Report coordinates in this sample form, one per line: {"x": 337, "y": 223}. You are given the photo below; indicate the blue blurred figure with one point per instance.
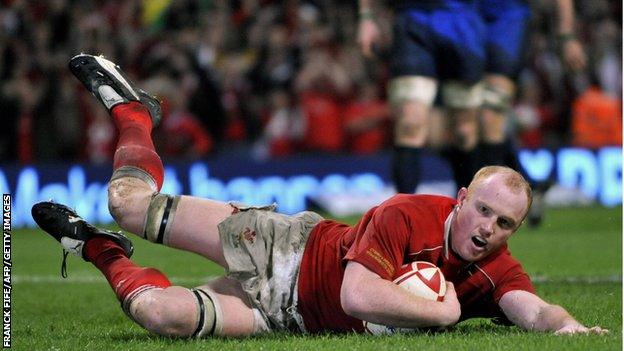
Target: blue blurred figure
{"x": 436, "y": 42}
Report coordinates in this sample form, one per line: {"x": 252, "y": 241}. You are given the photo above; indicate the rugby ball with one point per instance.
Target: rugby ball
{"x": 421, "y": 278}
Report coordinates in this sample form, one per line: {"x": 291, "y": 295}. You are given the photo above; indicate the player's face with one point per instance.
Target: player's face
{"x": 486, "y": 218}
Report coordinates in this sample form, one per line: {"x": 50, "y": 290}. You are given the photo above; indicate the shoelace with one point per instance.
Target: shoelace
{"x": 64, "y": 264}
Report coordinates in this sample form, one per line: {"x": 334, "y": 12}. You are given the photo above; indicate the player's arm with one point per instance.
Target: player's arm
{"x": 530, "y": 312}
{"x": 368, "y": 31}
{"x": 367, "y": 296}
{"x": 572, "y": 50}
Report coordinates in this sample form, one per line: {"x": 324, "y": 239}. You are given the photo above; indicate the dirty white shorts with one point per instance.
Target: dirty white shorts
{"x": 263, "y": 251}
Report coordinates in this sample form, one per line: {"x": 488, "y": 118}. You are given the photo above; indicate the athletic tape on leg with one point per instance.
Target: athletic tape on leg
{"x": 462, "y": 96}
{"x": 496, "y": 98}
{"x": 160, "y": 217}
{"x": 209, "y": 315}
{"x": 134, "y": 172}
{"x": 412, "y": 88}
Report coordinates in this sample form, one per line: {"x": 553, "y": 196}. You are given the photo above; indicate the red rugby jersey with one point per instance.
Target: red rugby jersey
{"x": 403, "y": 229}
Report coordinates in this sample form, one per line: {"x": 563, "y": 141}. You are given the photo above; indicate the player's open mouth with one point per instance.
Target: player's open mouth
{"x": 478, "y": 241}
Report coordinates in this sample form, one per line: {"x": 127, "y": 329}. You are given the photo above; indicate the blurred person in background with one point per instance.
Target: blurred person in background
{"x": 278, "y": 35}
{"x": 507, "y": 27}
{"x": 186, "y": 137}
{"x": 596, "y": 119}
{"x": 434, "y": 42}
{"x": 607, "y": 57}
{"x": 546, "y": 73}
{"x": 504, "y": 28}
{"x": 100, "y": 135}
{"x": 206, "y": 101}
{"x": 529, "y": 114}
{"x": 322, "y": 84}
{"x": 366, "y": 120}
{"x": 285, "y": 127}
{"x": 23, "y": 92}
{"x": 67, "y": 118}
{"x": 242, "y": 118}
{"x": 277, "y": 61}
{"x": 182, "y": 135}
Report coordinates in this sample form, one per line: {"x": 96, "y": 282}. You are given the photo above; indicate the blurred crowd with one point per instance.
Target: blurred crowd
{"x": 272, "y": 78}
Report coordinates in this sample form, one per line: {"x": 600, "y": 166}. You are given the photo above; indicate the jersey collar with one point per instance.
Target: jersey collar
{"x": 447, "y": 231}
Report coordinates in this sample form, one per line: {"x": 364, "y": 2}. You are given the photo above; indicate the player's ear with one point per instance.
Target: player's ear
{"x": 462, "y": 195}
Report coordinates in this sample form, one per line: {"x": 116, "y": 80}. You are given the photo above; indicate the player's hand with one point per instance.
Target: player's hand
{"x": 451, "y": 304}
{"x": 368, "y": 36}
{"x": 573, "y": 55}
{"x": 580, "y": 329}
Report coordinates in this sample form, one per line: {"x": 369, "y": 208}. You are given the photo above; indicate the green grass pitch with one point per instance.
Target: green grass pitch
{"x": 575, "y": 258}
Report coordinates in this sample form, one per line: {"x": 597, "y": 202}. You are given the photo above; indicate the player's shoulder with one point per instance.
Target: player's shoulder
{"x": 419, "y": 205}
{"x": 420, "y": 200}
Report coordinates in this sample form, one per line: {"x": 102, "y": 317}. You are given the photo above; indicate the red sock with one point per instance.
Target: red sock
{"x": 135, "y": 147}
{"x": 122, "y": 274}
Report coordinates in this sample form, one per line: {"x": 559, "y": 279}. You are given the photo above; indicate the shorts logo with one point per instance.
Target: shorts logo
{"x": 249, "y": 235}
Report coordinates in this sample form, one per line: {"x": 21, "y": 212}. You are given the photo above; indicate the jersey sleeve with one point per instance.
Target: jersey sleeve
{"x": 382, "y": 244}
{"x": 514, "y": 278}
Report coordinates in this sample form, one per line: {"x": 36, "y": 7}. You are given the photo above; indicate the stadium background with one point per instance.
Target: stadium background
{"x": 261, "y": 84}
{"x": 271, "y": 101}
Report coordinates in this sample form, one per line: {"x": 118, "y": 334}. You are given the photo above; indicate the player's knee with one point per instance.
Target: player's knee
{"x": 161, "y": 319}
{"x": 412, "y": 88}
{"x": 128, "y": 199}
{"x": 461, "y": 96}
{"x": 498, "y": 93}
{"x": 496, "y": 105}
{"x": 411, "y": 98}
{"x": 497, "y": 98}
{"x": 169, "y": 312}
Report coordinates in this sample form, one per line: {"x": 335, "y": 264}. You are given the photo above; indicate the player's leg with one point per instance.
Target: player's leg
{"x": 411, "y": 99}
{"x": 146, "y": 294}
{"x": 499, "y": 91}
{"x": 504, "y": 62}
{"x": 507, "y": 29}
{"x": 462, "y": 102}
{"x": 411, "y": 92}
{"x": 505, "y": 39}
{"x": 497, "y": 146}
{"x": 461, "y": 69}
{"x": 134, "y": 198}
{"x": 219, "y": 308}
{"x": 183, "y": 222}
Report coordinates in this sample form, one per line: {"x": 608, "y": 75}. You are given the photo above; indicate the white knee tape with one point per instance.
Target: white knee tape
{"x": 160, "y": 216}
{"x": 134, "y": 172}
{"x": 209, "y": 316}
{"x": 459, "y": 95}
{"x": 496, "y": 98}
{"x": 412, "y": 88}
